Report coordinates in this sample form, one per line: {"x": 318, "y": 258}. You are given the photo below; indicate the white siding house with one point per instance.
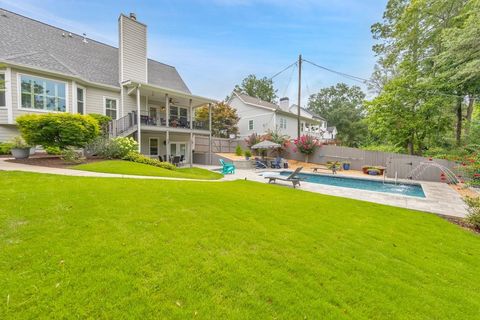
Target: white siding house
{"x": 260, "y": 117}
{"x": 146, "y": 99}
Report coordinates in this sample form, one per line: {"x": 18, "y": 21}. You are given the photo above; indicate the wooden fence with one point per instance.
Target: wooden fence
{"x": 399, "y": 165}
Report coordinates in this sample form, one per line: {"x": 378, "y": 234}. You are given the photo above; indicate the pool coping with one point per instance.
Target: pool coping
{"x": 439, "y": 199}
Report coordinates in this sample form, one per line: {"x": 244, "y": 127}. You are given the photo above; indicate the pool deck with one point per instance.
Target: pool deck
{"x": 440, "y": 198}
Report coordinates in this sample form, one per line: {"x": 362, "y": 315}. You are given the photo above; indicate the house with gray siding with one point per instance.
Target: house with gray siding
{"x": 47, "y": 69}
{"x": 260, "y": 117}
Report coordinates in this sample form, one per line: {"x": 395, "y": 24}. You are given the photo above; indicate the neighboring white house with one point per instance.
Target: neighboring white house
{"x": 48, "y": 69}
{"x": 258, "y": 116}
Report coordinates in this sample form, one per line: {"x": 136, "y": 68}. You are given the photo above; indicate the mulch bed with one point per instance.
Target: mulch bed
{"x": 463, "y": 224}
{"x": 53, "y": 161}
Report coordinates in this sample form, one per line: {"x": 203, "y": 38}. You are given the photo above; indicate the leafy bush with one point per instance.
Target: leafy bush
{"x": 60, "y": 130}
{"x": 115, "y": 148}
{"x": 238, "y": 150}
{"x": 102, "y": 121}
{"x": 306, "y": 144}
{"x": 70, "y": 155}
{"x": 140, "y": 158}
{"x": 19, "y": 143}
{"x": 5, "y": 147}
{"x": 473, "y": 216}
{"x": 248, "y": 153}
{"x": 53, "y": 150}
{"x": 252, "y": 140}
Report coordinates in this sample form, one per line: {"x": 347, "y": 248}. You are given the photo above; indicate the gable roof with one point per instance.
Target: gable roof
{"x": 28, "y": 42}
{"x": 256, "y": 102}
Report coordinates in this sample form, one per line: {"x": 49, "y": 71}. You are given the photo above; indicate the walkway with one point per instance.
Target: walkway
{"x": 440, "y": 198}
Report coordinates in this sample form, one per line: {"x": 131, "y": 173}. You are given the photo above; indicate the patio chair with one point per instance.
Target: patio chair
{"x": 182, "y": 159}
{"x": 260, "y": 164}
{"x": 160, "y": 158}
{"x": 176, "y": 161}
{"x": 227, "y": 168}
{"x": 277, "y": 163}
{"x": 273, "y": 177}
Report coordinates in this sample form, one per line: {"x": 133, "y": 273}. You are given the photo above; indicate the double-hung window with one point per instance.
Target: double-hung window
{"x": 80, "y": 100}
{"x": 283, "y": 123}
{"x": 153, "y": 147}
{"x": 250, "y": 125}
{"x": 3, "y": 101}
{"x": 43, "y": 94}
{"x": 111, "y": 108}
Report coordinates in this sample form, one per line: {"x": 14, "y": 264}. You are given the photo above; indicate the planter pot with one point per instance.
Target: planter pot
{"x": 346, "y": 166}
{"x": 20, "y": 153}
{"x": 247, "y": 158}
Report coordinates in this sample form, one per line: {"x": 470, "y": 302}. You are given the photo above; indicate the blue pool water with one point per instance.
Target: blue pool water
{"x": 414, "y": 190}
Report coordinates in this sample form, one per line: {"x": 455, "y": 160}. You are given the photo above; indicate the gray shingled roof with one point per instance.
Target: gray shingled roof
{"x": 29, "y": 42}
{"x": 252, "y": 100}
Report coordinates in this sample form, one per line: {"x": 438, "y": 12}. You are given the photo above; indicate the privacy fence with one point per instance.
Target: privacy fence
{"x": 400, "y": 165}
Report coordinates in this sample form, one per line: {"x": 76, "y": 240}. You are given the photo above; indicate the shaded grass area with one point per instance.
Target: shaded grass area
{"x": 76, "y": 247}
{"x": 140, "y": 169}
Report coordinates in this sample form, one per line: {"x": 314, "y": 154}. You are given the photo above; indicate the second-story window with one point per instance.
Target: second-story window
{"x": 43, "y": 94}
{"x": 3, "y": 101}
{"x": 250, "y": 124}
{"x": 111, "y": 108}
{"x": 81, "y": 100}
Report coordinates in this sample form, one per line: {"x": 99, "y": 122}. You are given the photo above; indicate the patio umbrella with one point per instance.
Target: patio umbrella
{"x": 266, "y": 145}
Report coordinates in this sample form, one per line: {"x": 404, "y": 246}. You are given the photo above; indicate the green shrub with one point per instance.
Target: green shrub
{"x": 115, "y": 148}
{"x": 53, "y": 150}
{"x": 238, "y": 150}
{"x": 60, "y": 130}
{"x": 248, "y": 153}
{"x": 140, "y": 158}
{"x": 70, "y": 155}
{"x": 19, "y": 143}
{"x": 102, "y": 121}
{"x": 473, "y": 216}
{"x": 5, "y": 147}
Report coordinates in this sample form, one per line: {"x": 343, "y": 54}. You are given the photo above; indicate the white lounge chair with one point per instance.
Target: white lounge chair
{"x": 273, "y": 177}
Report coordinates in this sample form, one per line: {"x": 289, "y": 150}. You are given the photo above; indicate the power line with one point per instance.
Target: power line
{"x": 284, "y": 69}
{"x": 290, "y": 80}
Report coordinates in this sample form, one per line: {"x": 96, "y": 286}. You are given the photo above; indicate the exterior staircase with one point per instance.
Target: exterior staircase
{"x": 124, "y": 126}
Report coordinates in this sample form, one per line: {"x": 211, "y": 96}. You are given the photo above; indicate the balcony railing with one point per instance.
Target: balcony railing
{"x": 174, "y": 122}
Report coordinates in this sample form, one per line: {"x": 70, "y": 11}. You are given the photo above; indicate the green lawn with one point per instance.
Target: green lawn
{"x": 140, "y": 169}
{"x": 78, "y": 247}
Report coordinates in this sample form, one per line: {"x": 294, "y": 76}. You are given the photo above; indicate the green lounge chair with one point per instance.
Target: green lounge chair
{"x": 227, "y": 168}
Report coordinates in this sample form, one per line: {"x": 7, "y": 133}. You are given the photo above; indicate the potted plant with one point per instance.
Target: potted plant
{"x": 373, "y": 172}
{"x": 248, "y": 154}
{"x": 346, "y": 165}
{"x": 307, "y": 145}
{"x": 20, "y": 149}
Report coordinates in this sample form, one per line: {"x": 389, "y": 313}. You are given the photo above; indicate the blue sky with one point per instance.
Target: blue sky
{"x": 216, "y": 43}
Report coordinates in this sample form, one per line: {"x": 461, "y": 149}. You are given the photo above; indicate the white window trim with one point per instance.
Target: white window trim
{"x": 253, "y": 125}
{"x": 84, "y": 99}
{"x": 105, "y": 105}
{"x": 158, "y": 146}
{"x": 4, "y": 72}
{"x": 19, "y": 94}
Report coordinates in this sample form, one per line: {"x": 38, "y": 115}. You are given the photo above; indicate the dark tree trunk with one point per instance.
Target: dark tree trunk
{"x": 458, "y": 112}
{"x": 471, "y": 103}
{"x": 411, "y": 145}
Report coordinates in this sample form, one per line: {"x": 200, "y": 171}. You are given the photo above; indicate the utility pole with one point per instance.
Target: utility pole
{"x": 299, "y": 94}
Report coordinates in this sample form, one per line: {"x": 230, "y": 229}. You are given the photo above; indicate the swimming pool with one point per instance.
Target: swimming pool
{"x": 413, "y": 190}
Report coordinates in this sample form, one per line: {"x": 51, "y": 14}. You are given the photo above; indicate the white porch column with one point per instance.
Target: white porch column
{"x": 139, "y": 131}
{"x": 191, "y": 149}
{"x": 167, "y": 110}
{"x": 167, "y": 142}
{"x": 210, "y": 133}
{"x": 191, "y": 114}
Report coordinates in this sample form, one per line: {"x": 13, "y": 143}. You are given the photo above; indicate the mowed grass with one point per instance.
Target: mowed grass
{"x": 79, "y": 247}
{"x": 140, "y": 169}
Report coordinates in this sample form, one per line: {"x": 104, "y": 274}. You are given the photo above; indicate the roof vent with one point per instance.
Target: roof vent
{"x": 85, "y": 38}
{"x": 63, "y": 34}
{"x": 70, "y": 35}
{"x": 133, "y": 16}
